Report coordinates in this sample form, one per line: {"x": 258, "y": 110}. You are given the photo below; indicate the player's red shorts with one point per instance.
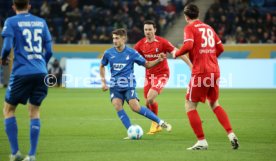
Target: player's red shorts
{"x": 202, "y": 86}
{"x": 155, "y": 82}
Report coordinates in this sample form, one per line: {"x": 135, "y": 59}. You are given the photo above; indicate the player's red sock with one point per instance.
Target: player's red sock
{"x": 196, "y": 124}
{"x": 223, "y": 119}
{"x": 154, "y": 108}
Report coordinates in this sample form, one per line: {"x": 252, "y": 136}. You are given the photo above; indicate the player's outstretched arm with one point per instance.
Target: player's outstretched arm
{"x": 102, "y": 74}
{"x": 7, "y": 45}
{"x": 184, "y": 58}
{"x": 188, "y": 45}
{"x": 150, "y": 64}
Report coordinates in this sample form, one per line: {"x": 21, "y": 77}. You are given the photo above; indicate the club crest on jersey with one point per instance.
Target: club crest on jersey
{"x": 118, "y": 66}
{"x": 127, "y": 57}
{"x": 156, "y": 50}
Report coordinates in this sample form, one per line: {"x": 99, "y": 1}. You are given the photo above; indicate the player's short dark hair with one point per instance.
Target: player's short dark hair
{"x": 120, "y": 32}
{"x": 21, "y": 4}
{"x": 191, "y": 11}
{"x": 150, "y": 22}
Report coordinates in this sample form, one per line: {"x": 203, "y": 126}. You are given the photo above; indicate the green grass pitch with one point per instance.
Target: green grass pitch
{"x": 81, "y": 125}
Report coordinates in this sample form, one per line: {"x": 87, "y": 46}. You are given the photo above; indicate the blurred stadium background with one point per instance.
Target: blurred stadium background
{"x": 79, "y": 124}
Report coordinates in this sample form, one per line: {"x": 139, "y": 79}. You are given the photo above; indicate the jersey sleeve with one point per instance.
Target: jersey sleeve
{"x": 188, "y": 34}
{"x": 217, "y": 39}
{"x": 7, "y": 29}
{"x": 47, "y": 34}
{"x": 139, "y": 59}
{"x": 219, "y": 45}
{"x": 104, "y": 60}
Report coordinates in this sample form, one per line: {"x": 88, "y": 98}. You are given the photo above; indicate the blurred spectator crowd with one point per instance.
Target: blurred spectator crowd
{"x": 92, "y": 21}
{"x": 243, "y": 21}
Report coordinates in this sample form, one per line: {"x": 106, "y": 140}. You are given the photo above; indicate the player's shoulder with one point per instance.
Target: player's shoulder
{"x": 200, "y": 24}
{"x": 141, "y": 41}
{"x": 130, "y": 50}
{"x": 37, "y": 18}
{"x": 161, "y": 39}
{"x": 189, "y": 27}
{"x": 110, "y": 50}
{"x": 27, "y": 17}
{"x": 10, "y": 20}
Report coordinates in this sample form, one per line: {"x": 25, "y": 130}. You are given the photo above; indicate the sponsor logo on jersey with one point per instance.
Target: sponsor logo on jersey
{"x": 118, "y": 66}
{"x": 152, "y": 56}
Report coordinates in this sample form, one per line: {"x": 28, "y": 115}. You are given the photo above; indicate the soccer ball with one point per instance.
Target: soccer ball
{"x": 135, "y": 132}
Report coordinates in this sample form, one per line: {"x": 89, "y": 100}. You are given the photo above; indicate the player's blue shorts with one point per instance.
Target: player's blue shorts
{"x": 27, "y": 87}
{"x": 124, "y": 95}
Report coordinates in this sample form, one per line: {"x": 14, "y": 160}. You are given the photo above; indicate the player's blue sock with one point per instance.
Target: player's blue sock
{"x": 11, "y": 130}
{"x": 149, "y": 114}
{"x": 34, "y": 135}
{"x": 124, "y": 118}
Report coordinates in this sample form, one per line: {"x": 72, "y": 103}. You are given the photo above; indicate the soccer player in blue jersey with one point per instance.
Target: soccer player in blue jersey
{"x": 28, "y": 35}
{"x": 122, "y": 87}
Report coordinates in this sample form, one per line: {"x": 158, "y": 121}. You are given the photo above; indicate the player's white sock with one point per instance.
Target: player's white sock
{"x": 161, "y": 122}
{"x": 202, "y": 142}
{"x": 231, "y": 136}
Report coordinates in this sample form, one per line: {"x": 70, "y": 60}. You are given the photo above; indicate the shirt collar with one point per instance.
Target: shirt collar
{"x": 155, "y": 40}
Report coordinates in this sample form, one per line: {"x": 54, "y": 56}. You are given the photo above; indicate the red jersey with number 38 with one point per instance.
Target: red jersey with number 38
{"x": 151, "y": 50}
{"x": 203, "y": 54}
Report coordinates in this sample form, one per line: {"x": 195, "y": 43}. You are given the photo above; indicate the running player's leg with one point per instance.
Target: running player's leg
{"x": 153, "y": 106}
{"x": 156, "y": 87}
{"x": 118, "y": 105}
{"x": 37, "y": 95}
{"x": 17, "y": 92}
{"x": 117, "y": 100}
{"x": 133, "y": 102}
{"x": 212, "y": 96}
{"x": 196, "y": 93}
{"x": 11, "y": 130}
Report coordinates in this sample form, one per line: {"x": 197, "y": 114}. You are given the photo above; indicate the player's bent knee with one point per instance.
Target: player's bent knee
{"x": 8, "y": 110}
{"x": 214, "y": 104}
{"x": 34, "y": 114}
{"x": 118, "y": 106}
{"x": 189, "y": 106}
{"x": 34, "y": 111}
{"x": 150, "y": 101}
{"x": 135, "y": 108}
{"x": 134, "y": 105}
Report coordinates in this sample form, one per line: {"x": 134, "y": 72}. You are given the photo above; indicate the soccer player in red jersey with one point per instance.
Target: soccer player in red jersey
{"x": 203, "y": 46}
{"x": 156, "y": 78}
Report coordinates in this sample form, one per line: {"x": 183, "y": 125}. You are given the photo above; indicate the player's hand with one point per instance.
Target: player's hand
{"x": 174, "y": 53}
{"x": 161, "y": 57}
{"x": 104, "y": 87}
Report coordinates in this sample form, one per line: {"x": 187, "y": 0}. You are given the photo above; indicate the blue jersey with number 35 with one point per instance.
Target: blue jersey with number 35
{"x": 29, "y": 34}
